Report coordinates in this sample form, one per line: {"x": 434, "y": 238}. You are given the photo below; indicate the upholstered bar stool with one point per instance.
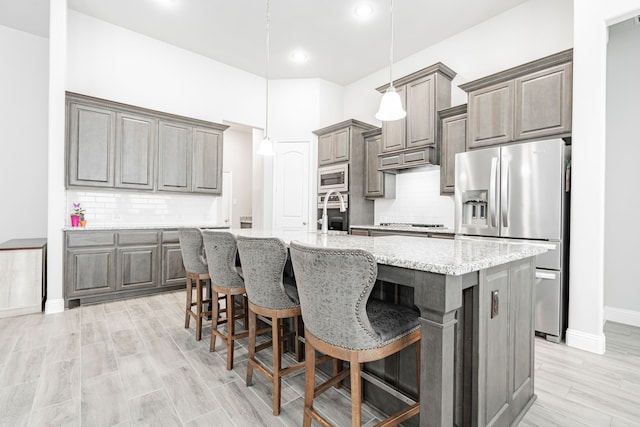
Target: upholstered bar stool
{"x": 220, "y": 248}
{"x": 263, "y": 261}
{"x": 195, "y": 264}
{"x": 334, "y": 287}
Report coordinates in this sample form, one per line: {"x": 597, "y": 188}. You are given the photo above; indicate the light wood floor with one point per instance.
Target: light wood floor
{"x": 132, "y": 363}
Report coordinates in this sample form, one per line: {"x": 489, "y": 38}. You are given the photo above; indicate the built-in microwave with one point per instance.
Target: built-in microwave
{"x": 333, "y": 177}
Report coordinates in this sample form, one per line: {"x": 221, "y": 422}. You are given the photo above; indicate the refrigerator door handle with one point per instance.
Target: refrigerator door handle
{"x": 506, "y": 206}
{"x": 493, "y": 192}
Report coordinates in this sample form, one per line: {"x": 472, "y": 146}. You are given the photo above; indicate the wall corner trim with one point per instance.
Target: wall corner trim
{"x": 587, "y": 342}
{"x": 54, "y": 306}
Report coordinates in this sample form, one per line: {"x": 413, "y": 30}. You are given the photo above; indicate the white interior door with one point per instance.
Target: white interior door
{"x": 224, "y": 202}
{"x": 291, "y": 185}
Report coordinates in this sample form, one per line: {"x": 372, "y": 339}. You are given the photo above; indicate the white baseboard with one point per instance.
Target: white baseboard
{"x": 621, "y": 315}
{"x": 54, "y": 306}
{"x": 588, "y": 342}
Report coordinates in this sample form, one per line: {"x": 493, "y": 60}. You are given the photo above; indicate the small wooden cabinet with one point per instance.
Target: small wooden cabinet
{"x": 113, "y": 145}
{"x": 334, "y": 147}
{"x": 453, "y": 139}
{"x": 377, "y": 183}
{"x": 413, "y": 141}
{"x": 530, "y": 101}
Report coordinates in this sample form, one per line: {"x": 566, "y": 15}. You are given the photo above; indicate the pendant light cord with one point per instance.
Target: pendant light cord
{"x": 390, "y": 49}
{"x": 266, "y": 124}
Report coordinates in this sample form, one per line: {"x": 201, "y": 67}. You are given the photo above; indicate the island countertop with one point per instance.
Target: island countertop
{"x": 450, "y": 257}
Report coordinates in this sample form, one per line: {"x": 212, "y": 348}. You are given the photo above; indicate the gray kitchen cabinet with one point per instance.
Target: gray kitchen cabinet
{"x": 207, "y": 161}
{"x": 135, "y": 151}
{"x": 173, "y": 271}
{"x": 334, "y": 147}
{"x": 138, "y": 260}
{"x": 90, "y": 263}
{"x": 529, "y": 101}
{"x": 113, "y": 145}
{"x": 505, "y": 333}
{"x": 90, "y": 143}
{"x": 422, "y": 93}
{"x": 377, "y": 183}
{"x": 453, "y": 140}
{"x": 175, "y": 156}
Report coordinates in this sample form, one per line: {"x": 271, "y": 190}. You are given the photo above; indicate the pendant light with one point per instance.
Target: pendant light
{"x": 266, "y": 146}
{"x": 390, "y": 104}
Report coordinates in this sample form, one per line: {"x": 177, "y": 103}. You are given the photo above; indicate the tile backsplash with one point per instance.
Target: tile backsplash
{"x": 417, "y": 200}
{"x": 104, "y": 208}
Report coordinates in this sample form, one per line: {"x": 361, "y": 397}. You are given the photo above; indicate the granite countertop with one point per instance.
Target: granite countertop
{"x": 16, "y": 244}
{"x": 441, "y": 256}
{"x": 140, "y": 227}
{"x": 405, "y": 228}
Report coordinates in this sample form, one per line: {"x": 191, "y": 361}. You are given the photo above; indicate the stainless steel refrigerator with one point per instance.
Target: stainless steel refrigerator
{"x": 520, "y": 192}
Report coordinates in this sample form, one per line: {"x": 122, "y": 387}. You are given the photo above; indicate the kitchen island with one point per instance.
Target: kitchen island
{"x": 476, "y": 305}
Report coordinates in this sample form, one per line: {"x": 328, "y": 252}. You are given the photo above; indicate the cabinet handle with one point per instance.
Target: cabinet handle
{"x": 495, "y": 303}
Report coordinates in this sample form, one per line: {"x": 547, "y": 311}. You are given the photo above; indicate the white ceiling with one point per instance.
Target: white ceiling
{"x": 341, "y": 48}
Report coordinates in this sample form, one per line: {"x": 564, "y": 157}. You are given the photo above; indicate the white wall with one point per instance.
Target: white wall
{"x": 24, "y": 86}
{"x": 237, "y": 156}
{"x": 622, "y": 195}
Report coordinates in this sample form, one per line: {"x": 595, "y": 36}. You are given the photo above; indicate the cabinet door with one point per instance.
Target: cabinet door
{"x": 135, "y": 146}
{"x": 207, "y": 161}
{"x": 454, "y": 140}
{"x": 91, "y": 146}
{"x": 393, "y": 133}
{"x": 137, "y": 267}
{"x": 175, "y": 155}
{"x": 325, "y": 149}
{"x": 490, "y": 115}
{"x": 543, "y": 103}
{"x": 341, "y": 145}
{"x": 421, "y": 112}
{"x": 173, "y": 272}
{"x": 90, "y": 271}
{"x": 374, "y": 179}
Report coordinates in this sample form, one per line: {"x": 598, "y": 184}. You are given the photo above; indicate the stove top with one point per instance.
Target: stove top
{"x": 400, "y": 224}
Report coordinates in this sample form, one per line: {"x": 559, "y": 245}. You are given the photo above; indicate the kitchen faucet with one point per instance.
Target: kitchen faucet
{"x": 325, "y": 220}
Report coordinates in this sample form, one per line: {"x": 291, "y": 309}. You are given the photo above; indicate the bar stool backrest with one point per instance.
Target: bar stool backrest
{"x": 192, "y": 249}
{"x": 334, "y": 286}
{"x": 221, "y": 249}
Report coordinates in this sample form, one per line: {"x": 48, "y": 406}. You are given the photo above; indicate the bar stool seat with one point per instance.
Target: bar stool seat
{"x": 220, "y": 248}
{"x": 195, "y": 264}
{"x": 263, "y": 261}
{"x": 342, "y": 322}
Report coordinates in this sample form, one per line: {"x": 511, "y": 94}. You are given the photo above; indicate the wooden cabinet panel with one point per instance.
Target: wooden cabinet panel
{"x": 374, "y": 179}
{"x": 394, "y": 133}
{"x": 421, "y": 113}
{"x": 543, "y": 103}
{"x": 491, "y": 115}
{"x": 90, "y": 271}
{"x": 91, "y": 147}
{"x": 341, "y": 145}
{"x": 207, "y": 161}
{"x": 137, "y": 267}
{"x": 173, "y": 271}
{"x": 175, "y": 156}
{"x": 453, "y": 140}
{"x": 334, "y": 147}
{"x": 325, "y": 149}
{"x": 135, "y": 146}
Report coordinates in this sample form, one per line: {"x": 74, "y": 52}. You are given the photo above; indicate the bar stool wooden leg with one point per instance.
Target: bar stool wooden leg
{"x": 356, "y": 394}
{"x": 309, "y": 383}
{"x": 230, "y": 331}
{"x": 189, "y": 298}
{"x": 198, "y": 309}
{"x": 215, "y": 314}
{"x": 276, "y": 334}
{"x": 298, "y": 344}
{"x": 253, "y": 320}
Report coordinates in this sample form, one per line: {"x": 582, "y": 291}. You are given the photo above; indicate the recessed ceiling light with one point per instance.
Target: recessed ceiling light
{"x": 363, "y": 10}
{"x": 299, "y": 56}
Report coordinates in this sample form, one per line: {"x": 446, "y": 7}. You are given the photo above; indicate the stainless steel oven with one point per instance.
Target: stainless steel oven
{"x": 334, "y": 202}
{"x": 334, "y": 177}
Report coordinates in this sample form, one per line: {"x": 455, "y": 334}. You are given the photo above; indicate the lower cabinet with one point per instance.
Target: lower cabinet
{"x": 104, "y": 265}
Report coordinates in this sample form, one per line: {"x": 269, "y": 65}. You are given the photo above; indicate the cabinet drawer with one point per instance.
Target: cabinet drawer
{"x": 389, "y": 161}
{"x": 137, "y": 237}
{"x": 90, "y": 238}
{"x": 170, "y": 237}
{"x": 421, "y": 156}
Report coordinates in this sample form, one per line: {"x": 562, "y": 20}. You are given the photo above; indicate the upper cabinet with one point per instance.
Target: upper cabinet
{"x": 453, "y": 138}
{"x": 333, "y": 147}
{"x": 377, "y": 183}
{"x": 530, "y": 101}
{"x": 413, "y": 141}
{"x": 112, "y": 145}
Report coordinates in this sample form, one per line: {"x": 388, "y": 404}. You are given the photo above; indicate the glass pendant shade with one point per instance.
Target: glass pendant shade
{"x": 266, "y": 147}
{"x": 390, "y": 106}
